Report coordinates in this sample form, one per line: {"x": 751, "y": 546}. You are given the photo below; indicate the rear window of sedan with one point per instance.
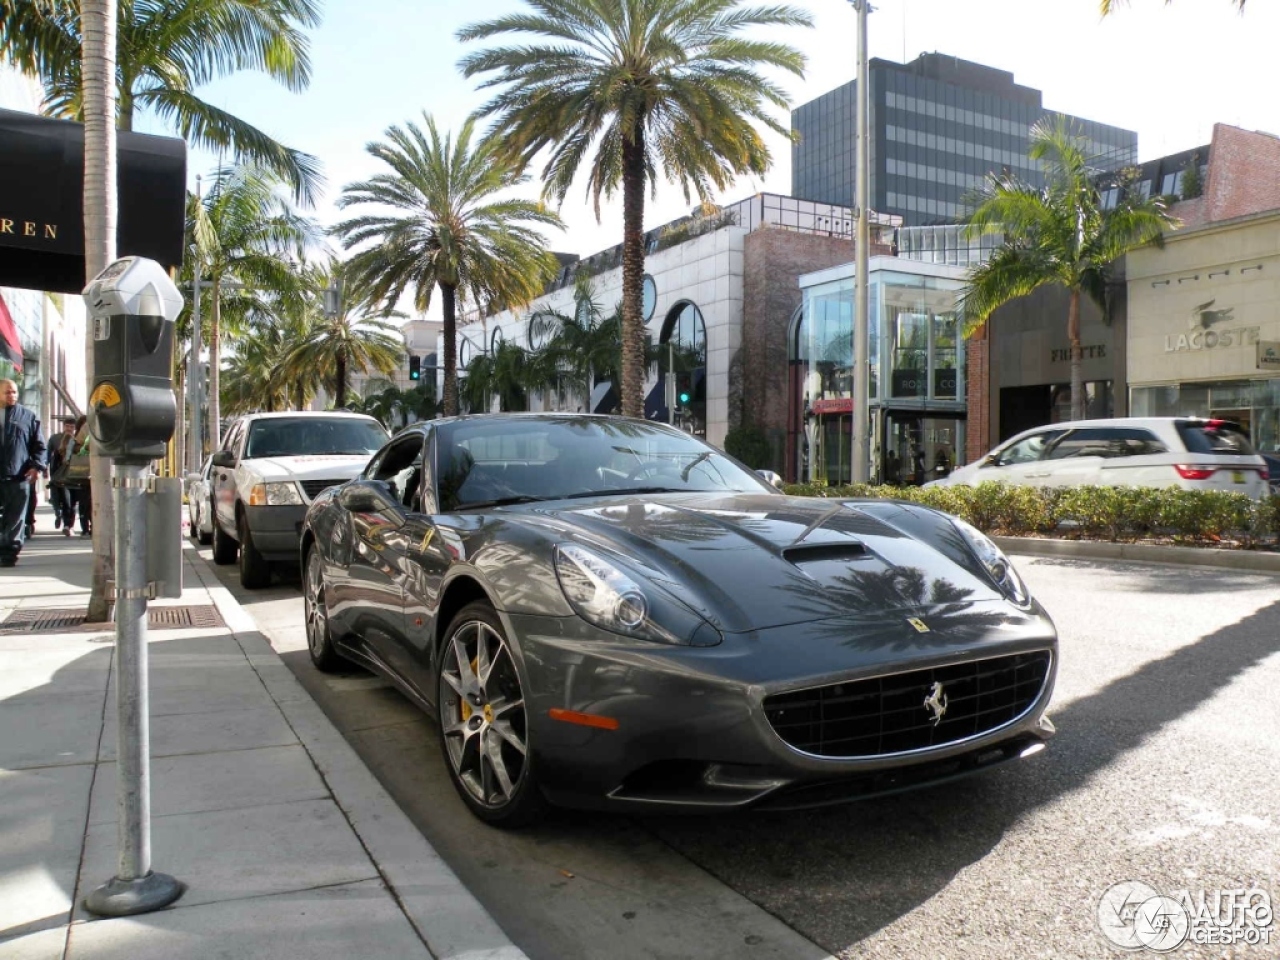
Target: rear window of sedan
{"x": 1214, "y": 436}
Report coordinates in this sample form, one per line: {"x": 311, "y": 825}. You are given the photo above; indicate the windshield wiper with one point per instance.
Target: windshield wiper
{"x": 501, "y": 502}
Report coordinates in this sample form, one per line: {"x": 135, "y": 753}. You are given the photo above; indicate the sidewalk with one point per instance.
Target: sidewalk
{"x": 287, "y": 844}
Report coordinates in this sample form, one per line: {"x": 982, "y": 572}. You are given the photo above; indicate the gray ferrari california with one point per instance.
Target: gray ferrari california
{"x": 604, "y": 612}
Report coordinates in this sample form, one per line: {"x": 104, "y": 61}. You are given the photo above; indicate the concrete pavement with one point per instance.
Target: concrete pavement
{"x": 287, "y": 844}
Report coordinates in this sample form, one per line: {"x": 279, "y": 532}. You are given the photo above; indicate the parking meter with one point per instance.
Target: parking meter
{"x": 132, "y": 307}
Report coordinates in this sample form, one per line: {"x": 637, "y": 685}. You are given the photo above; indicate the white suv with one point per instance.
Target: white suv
{"x": 268, "y": 470}
{"x": 1185, "y": 452}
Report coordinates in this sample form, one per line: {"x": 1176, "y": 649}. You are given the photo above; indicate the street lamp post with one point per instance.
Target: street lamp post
{"x": 861, "y": 419}
{"x": 195, "y": 371}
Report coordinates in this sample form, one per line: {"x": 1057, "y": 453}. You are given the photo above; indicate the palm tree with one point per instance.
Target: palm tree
{"x": 1058, "y": 234}
{"x": 99, "y": 57}
{"x": 346, "y": 341}
{"x": 254, "y": 377}
{"x": 168, "y": 49}
{"x": 646, "y": 87}
{"x": 447, "y": 229}
{"x": 505, "y": 373}
{"x": 244, "y": 233}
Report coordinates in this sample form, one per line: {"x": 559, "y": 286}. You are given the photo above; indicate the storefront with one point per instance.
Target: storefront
{"x": 1204, "y": 326}
{"x": 917, "y": 373}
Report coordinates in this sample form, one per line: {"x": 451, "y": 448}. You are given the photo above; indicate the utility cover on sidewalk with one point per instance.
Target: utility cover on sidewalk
{"x": 57, "y": 620}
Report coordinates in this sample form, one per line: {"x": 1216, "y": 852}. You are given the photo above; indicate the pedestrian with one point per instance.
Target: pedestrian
{"x": 60, "y": 496}
{"x": 21, "y": 464}
{"x": 84, "y": 496}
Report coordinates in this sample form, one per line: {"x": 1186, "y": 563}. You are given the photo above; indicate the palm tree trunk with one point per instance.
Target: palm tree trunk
{"x": 98, "y": 25}
{"x": 215, "y": 362}
{"x": 632, "y": 390}
{"x": 448, "y": 303}
{"x": 340, "y": 382}
{"x": 1077, "y": 371}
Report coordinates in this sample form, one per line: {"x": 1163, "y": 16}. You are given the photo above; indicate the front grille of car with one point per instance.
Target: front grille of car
{"x": 890, "y": 715}
{"x": 313, "y": 488}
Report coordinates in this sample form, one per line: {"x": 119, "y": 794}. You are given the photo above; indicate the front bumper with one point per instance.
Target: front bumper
{"x": 276, "y": 531}
{"x": 692, "y": 731}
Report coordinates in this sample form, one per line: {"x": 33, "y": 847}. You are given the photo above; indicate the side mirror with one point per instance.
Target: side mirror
{"x": 370, "y": 496}
{"x": 224, "y": 458}
{"x": 991, "y": 460}
{"x": 771, "y": 478}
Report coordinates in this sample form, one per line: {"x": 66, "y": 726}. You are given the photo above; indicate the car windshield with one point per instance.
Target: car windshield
{"x": 314, "y": 436}
{"x": 485, "y": 462}
{"x": 1214, "y": 436}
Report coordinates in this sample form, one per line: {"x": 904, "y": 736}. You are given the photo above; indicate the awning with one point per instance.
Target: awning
{"x": 10, "y": 344}
{"x": 42, "y": 207}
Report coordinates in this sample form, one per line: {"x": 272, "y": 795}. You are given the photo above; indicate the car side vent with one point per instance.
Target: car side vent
{"x": 813, "y": 552}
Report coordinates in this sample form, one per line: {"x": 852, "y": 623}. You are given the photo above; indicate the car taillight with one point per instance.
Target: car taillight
{"x": 1187, "y": 472}
{"x": 1266, "y": 475}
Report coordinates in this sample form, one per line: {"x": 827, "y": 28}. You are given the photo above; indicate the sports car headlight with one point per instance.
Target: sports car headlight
{"x": 996, "y": 563}
{"x": 275, "y": 494}
{"x": 613, "y": 600}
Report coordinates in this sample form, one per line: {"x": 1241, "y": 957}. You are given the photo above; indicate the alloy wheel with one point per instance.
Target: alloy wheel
{"x": 483, "y": 715}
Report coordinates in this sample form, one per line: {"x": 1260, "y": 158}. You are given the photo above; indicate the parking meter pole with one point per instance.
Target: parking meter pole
{"x": 132, "y": 411}
{"x": 135, "y": 887}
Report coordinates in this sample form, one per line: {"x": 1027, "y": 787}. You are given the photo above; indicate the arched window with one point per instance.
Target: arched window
{"x": 683, "y": 353}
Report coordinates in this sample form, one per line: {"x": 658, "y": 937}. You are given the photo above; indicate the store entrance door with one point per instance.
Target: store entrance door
{"x": 919, "y": 447}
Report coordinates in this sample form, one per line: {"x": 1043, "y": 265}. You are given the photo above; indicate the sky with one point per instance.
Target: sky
{"x": 1167, "y": 71}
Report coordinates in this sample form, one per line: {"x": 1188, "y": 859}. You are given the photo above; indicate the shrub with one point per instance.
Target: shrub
{"x": 1115, "y": 513}
{"x": 748, "y": 444}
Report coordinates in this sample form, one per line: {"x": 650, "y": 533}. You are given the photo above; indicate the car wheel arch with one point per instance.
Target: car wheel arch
{"x": 458, "y": 593}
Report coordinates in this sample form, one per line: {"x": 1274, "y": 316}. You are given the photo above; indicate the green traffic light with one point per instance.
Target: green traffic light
{"x": 684, "y": 398}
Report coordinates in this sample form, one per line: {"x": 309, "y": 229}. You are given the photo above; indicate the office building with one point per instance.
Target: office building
{"x": 938, "y": 126}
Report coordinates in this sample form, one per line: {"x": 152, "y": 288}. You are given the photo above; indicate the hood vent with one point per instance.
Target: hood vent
{"x": 812, "y": 552}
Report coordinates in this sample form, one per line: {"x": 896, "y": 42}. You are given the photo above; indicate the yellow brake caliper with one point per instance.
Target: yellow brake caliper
{"x": 466, "y": 707}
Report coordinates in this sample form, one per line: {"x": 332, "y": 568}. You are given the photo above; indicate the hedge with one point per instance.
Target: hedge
{"x": 1111, "y": 513}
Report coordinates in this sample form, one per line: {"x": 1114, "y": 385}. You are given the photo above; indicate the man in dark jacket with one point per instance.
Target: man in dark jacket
{"x": 21, "y": 463}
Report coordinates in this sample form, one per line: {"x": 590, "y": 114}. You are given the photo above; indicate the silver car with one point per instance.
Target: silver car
{"x": 199, "y": 506}
{"x": 1185, "y": 452}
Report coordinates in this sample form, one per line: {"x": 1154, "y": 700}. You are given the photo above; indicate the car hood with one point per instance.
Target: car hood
{"x": 330, "y": 467}
{"x": 750, "y": 562}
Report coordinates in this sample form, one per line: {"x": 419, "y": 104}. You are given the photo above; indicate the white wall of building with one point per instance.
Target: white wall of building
{"x": 706, "y": 271}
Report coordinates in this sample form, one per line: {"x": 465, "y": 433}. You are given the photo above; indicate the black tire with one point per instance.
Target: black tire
{"x": 224, "y": 548}
{"x": 474, "y": 716}
{"x": 324, "y": 654}
{"x": 202, "y": 538}
{"x": 255, "y": 571}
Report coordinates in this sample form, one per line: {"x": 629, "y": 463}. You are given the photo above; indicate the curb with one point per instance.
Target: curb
{"x": 452, "y": 923}
{"x": 1246, "y": 560}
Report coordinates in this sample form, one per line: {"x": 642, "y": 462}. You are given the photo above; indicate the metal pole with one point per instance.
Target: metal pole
{"x": 670, "y": 385}
{"x": 861, "y": 328}
{"x": 135, "y": 888}
{"x": 195, "y": 448}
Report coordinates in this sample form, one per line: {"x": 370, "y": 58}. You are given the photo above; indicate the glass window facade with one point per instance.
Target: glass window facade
{"x": 916, "y": 383}
{"x": 1254, "y": 404}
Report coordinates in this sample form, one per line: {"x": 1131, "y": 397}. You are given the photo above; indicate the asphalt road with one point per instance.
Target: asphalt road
{"x": 1164, "y": 771}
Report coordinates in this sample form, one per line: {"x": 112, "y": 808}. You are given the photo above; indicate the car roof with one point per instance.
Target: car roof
{"x": 308, "y": 414}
